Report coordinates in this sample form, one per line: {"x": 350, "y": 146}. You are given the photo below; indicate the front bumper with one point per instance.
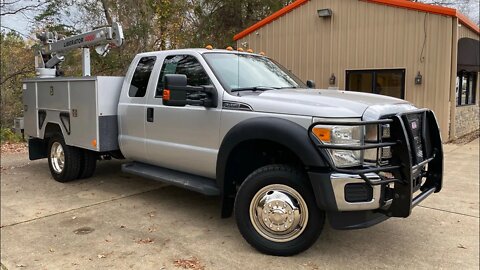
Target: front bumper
{"x": 391, "y": 188}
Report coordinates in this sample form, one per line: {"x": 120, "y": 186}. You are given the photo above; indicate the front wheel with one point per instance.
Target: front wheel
{"x": 276, "y": 212}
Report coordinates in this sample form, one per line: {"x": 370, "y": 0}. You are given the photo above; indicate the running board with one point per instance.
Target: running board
{"x": 192, "y": 182}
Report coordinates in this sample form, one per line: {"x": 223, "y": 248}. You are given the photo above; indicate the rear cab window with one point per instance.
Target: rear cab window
{"x": 139, "y": 84}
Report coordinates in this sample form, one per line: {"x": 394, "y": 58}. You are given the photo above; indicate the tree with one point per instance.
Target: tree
{"x": 471, "y": 8}
{"x": 16, "y": 64}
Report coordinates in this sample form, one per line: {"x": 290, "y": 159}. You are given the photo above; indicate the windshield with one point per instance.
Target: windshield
{"x": 238, "y": 72}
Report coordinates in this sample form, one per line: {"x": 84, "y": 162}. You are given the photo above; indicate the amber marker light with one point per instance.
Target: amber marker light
{"x": 323, "y": 134}
{"x": 209, "y": 47}
{"x": 262, "y": 53}
{"x": 94, "y": 143}
{"x": 166, "y": 95}
{"x": 240, "y": 49}
{"x": 229, "y": 48}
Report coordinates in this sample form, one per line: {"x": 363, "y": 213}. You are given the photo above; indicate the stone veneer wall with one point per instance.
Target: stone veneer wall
{"x": 467, "y": 119}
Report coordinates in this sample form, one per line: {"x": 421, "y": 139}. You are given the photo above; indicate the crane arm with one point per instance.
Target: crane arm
{"x": 102, "y": 36}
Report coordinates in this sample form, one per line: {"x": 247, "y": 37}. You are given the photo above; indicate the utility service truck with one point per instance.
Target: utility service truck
{"x": 281, "y": 155}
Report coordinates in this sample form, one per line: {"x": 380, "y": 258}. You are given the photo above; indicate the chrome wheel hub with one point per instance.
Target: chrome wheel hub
{"x": 278, "y": 213}
{"x": 57, "y": 157}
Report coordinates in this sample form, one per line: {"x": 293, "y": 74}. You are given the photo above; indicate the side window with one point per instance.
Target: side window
{"x": 183, "y": 64}
{"x": 138, "y": 86}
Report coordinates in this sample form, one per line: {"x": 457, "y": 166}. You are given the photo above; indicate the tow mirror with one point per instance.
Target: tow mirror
{"x": 178, "y": 93}
{"x": 311, "y": 84}
{"x": 175, "y": 90}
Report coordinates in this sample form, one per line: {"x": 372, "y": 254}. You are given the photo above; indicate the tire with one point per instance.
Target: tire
{"x": 259, "y": 211}
{"x": 88, "y": 164}
{"x": 64, "y": 161}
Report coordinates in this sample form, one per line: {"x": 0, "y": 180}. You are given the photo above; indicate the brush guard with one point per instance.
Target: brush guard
{"x": 416, "y": 163}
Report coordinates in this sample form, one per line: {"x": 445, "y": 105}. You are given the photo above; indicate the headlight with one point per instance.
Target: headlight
{"x": 342, "y": 135}
{"x": 372, "y": 136}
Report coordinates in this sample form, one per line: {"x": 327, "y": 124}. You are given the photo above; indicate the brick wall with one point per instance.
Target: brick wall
{"x": 466, "y": 119}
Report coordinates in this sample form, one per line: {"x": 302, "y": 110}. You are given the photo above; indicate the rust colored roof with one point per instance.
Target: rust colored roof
{"x": 439, "y": 10}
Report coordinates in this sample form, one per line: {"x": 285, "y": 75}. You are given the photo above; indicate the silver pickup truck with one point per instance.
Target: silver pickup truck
{"x": 281, "y": 155}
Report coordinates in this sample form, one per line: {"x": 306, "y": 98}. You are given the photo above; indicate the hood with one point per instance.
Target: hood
{"x": 317, "y": 103}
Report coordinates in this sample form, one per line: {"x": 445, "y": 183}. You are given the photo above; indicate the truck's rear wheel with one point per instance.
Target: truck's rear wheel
{"x": 88, "y": 164}
{"x": 64, "y": 161}
{"x": 276, "y": 211}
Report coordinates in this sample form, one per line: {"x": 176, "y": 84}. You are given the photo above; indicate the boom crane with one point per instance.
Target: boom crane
{"x": 55, "y": 46}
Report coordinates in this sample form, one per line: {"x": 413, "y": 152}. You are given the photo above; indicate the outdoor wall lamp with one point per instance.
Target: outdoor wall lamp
{"x": 325, "y": 13}
{"x": 332, "y": 79}
{"x": 418, "y": 78}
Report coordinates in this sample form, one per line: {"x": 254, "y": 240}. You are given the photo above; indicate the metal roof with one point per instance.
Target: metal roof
{"x": 434, "y": 9}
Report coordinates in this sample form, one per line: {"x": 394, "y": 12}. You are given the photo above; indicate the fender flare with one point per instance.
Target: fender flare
{"x": 284, "y": 132}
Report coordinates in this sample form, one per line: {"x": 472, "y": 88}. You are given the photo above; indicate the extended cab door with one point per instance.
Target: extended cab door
{"x": 183, "y": 138}
{"x": 132, "y": 110}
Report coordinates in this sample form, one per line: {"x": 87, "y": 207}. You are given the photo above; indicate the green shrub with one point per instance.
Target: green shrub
{"x": 7, "y": 135}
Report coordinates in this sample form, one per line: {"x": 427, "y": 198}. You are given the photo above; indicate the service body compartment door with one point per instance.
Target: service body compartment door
{"x": 83, "y": 114}
{"x": 30, "y": 109}
{"x": 53, "y": 95}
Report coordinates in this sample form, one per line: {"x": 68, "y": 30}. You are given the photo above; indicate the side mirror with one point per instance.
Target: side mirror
{"x": 311, "y": 84}
{"x": 175, "y": 90}
{"x": 177, "y": 93}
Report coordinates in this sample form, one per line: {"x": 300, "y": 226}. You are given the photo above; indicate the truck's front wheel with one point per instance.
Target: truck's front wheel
{"x": 64, "y": 161}
{"x": 276, "y": 211}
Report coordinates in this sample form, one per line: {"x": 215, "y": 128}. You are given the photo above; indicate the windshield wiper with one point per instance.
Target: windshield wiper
{"x": 286, "y": 87}
{"x": 255, "y": 88}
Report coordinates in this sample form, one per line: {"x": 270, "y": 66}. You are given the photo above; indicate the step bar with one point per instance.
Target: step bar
{"x": 203, "y": 185}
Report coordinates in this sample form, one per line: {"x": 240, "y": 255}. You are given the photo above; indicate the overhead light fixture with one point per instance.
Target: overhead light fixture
{"x": 325, "y": 13}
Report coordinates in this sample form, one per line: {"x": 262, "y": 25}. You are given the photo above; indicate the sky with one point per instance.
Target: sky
{"x": 19, "y": 22}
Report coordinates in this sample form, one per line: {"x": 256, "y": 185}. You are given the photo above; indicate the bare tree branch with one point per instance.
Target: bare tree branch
{"x": 22, "y": 9}
{"x": 23, "y": 71}
{"x": 107, "y": 12}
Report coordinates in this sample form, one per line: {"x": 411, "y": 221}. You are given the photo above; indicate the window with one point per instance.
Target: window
{"x": 466, "y": 88}
{"x": 138, "y": 86}
{"x": 183, "y": 64}
{"x": 388, "y": 82}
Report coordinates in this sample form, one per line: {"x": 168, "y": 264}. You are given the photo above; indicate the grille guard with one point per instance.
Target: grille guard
{"x": 404, "y": 167}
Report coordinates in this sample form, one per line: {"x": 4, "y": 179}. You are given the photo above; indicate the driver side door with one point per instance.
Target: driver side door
{"x": 183, "y": 138}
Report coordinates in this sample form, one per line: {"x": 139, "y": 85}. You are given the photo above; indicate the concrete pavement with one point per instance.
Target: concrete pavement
{"x": 118, "y": 221}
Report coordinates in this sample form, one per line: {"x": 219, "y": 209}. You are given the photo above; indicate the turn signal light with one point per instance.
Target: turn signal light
{"x": 166, "y": 95}
{"x": 322, "y": 133}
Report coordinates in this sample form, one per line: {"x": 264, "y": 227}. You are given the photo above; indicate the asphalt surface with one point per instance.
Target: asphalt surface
{"x": 118, "y": 221}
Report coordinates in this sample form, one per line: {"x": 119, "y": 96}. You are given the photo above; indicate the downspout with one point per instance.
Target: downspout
{"x": 453, "y": 80}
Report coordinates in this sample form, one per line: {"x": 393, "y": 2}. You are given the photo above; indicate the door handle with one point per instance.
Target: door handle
{"x": 149, "y": 114}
